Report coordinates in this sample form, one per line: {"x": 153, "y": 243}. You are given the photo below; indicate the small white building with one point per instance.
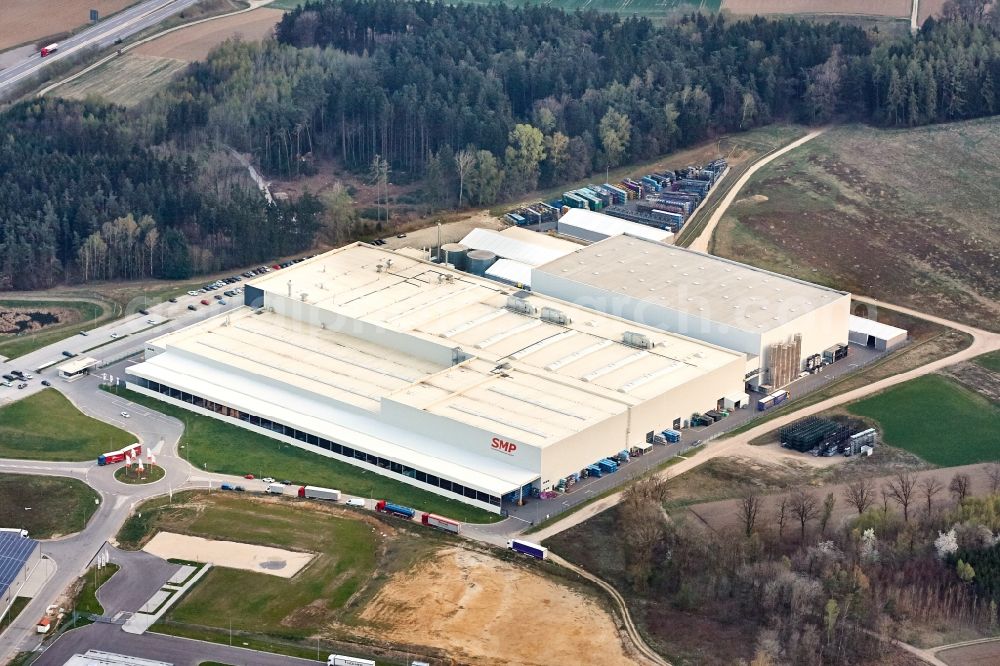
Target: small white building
{"x": 592, "y": 227}
{"x": 875, "y": 335}
{"x": 78, "y": 367}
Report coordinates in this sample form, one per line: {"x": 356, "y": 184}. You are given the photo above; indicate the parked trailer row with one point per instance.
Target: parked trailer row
{"x": 395, "y": 509}
{"x": 528, "y": 548}
{"x": 440, "y": 522}
{"x": 315, "y": 492}
{"x": 343, "y": 660}
{"x": 772, "y": 400}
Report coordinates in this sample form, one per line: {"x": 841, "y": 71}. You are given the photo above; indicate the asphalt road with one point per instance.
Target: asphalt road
{"x": 101, "y": 35}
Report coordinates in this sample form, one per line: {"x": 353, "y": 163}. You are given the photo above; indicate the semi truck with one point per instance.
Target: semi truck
{"x": 528, "y": 548}
{"x": 446, "y": 524}
{"x": 275, "y": 489}
{"x": 343, "y": 660}
{"x": 115, "y": 457}
{"x": 49, "y": 50}
{"x": 395, "y": 509}
{"x": 315, "y": 492}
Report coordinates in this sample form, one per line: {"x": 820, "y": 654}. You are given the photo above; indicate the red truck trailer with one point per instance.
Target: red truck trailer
{"x": 115, "y": 457}
{"x": 49, "y": 50}
{"x": 446, "y": 524}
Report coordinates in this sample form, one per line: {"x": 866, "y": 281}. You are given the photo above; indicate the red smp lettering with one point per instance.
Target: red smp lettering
{"x": 504, "y": 446}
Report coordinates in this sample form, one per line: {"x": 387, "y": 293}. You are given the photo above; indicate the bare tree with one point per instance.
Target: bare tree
{"x": 781, "y": 515}
{"x": 993, "y": 469}
{"x": 804, "y": 507}
{"x": 860, "y": 494}
{"x": 829, "y": 503}
{"x": 653, "y": 488}
{"x": 884, "y": 494}
{"x": 464, "y": 160}
{"x": 749, "y": 508}
{"x": 929, "y": 488}
{"x": 959, "y": 487}
{"x": 901, "y": 489}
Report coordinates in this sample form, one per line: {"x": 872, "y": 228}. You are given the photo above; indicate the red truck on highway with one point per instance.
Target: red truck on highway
{"x": 50, "y": 49}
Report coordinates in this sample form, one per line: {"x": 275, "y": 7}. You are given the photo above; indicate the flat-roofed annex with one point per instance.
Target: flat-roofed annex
{"x": 700, "y": 285}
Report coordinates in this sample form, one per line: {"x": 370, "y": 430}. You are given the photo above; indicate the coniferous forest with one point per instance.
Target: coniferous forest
{"x": 502, "y": 99}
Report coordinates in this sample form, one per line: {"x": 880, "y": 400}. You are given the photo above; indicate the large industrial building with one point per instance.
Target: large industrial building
{"x": 453, "y": 383}
{"x": 19, "y": 556}
{"x": 781, "y": 324}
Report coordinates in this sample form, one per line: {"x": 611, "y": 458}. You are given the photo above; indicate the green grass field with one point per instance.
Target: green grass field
{"x": 936, "y": 419}
{"x": 906, "y": 216}
{"x": 229, "y": 449}
{"x": 989, "y": 361}
{"x": 349, "y": 554}
{"x": 46, "y": 426}
{"x": 57, "y": 505}
{"x": 86, "y": 600}
{"x": 89, "y": 314}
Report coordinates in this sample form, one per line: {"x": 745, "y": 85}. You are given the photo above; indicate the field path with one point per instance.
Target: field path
{"x": 914, "y": 13}
{"x": 700, "y": 243}
{"x": 738, "y": 445}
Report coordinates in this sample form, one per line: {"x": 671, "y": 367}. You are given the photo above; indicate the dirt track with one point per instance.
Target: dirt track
{"x": 194, "y": 43}
{"x": 486, "y": 612}
{"x": 27, "y": 20}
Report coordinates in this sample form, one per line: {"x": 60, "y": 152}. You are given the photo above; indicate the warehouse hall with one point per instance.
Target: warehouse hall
{"x": 447, "y": 381}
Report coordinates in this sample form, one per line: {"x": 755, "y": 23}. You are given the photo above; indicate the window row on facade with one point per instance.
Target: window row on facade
{"x": 319, "y": 442}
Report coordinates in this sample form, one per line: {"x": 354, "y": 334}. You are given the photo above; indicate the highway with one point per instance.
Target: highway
{"x": 103, "y": 34}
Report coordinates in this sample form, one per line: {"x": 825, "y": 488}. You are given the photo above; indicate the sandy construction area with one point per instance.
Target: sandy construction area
{"x": 898, "y": 8}
{"x": 194, "y": 43}
{"x": 27, "y": 20}
{"x": 231, "y": 554}
{"x": 486, "y": 612}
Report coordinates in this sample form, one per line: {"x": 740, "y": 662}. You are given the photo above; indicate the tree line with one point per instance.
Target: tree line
{"x": 88, "y": 193}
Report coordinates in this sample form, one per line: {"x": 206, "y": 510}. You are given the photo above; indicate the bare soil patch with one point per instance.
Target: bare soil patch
{"x": 977, "y": 378}
{"x": 196, "y": 42}
{"x": 28, "y": 20}
{"x": 262, "y": 559}
{"x": 983, "y": 654}
{"x": 897, "y": 8}
{"x": 486, "y": 612}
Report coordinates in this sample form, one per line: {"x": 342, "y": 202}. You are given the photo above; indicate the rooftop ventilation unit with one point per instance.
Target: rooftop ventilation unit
{"x": 520, "y": 305}
{"x": 637, "y": 340}
{"x": 555, "y": 316}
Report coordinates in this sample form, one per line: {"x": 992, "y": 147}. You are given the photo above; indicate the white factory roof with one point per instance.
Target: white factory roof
{"x": 700, "y": 285}
{"x": 606, "y": 225}
{"x": 872, "y": 327}
{"x": 101, "y": 658}
{"x": 522, "y": 368}
{"x": 512, "y": 271}
{"x": 236, "y": 386}
{"x": 545, "y": 240}
{"x": 527, "y": 250}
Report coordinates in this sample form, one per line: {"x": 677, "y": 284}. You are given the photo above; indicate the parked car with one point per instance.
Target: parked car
{"x": 126, "y": 415}
{"x": 9, "y": 378}
{"x": 144, "y": 311}
{"x": 239, "y": 489}
{"x": 400, "y": 235}
{"x": 267, "y": 479}
{"x": 114, "y": 335}
{"x": 68, "y": 354}
{"x": 46, "y": 382}
{"x": 192, "y": 293}
{"x": 150, "y": 321}
{"x": 173, "y": 300}
{"x": 204, "y": 301}
{"x": 84, "y": 333}
{"x": 5, "y": 384}
{"x": 249, "y": 476}
{"x": 191, "y": 307}
{"x": 222, "y": 301}
{"x": 227, "y": 486}
{"x": 218, "y": 297}
{"x": 22, "y": 385}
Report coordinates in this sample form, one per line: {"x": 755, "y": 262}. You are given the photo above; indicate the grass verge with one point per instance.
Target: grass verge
{"x": 46, "y": 426}
{"x": 935, "y": 418}
{"x": 58, "y": 505}
{"x": 217, "y": 446}
{"x": 936, "y": 347}
{"x": 86, "y": 600}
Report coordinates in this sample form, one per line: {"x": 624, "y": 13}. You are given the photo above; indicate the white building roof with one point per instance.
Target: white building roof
{"x": 240, "y": 388}
{"x": 699, "y": 285}
{"x": 562, "y": 373}
{"x": 606, "y": 225}
{"x": 511, "y": 271}
{"x": 101, "y": 658}
{"x": 872, "y": 327}
{"x": 543, "y": 239}
{"x": 77, "y": 364}
{"x": 516, "y": 246}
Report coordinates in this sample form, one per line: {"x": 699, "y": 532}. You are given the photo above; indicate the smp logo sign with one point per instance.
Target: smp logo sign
{"x": 503, "y": 446}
